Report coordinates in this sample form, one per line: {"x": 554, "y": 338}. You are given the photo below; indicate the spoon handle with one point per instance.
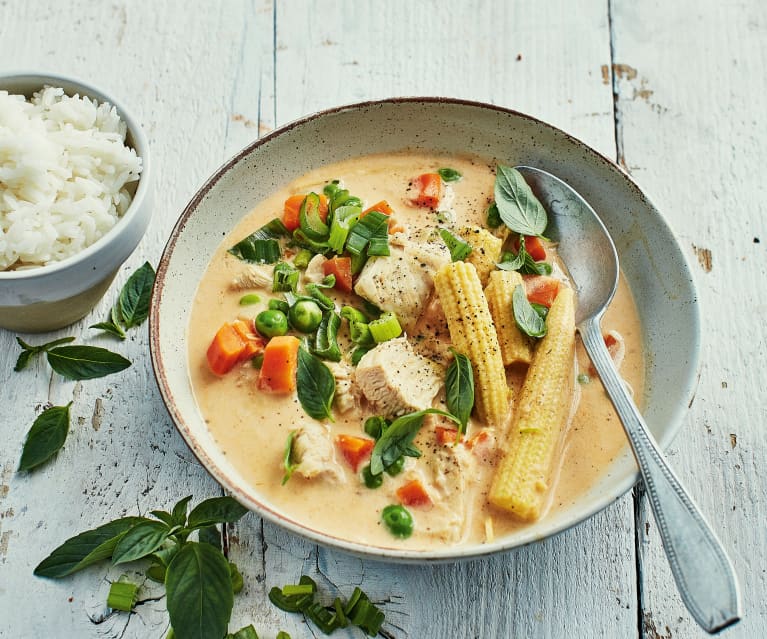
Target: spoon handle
{"x": 703, "y": 572}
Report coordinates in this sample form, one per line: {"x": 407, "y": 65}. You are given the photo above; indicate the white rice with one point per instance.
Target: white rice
{"x": 64, "y": 168}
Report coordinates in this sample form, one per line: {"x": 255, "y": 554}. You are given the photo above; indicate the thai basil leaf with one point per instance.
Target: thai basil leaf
{"x": 164, "y": 516}
{"x": 109, "y": 327}
{"x": 210, "y": 535}
{"x": 179, "y": 511}
{"x": 526, "y": 317}
{"x": 459, "y": 388}
{"x": 198, "y": 587}
{"x": 47, "y": 435}
{"x": 85, "y": 362}
{"x": 216, "y": 510}
{"x": 140, "y": 541}
{"x": 517, "y": 205}
{"x": 459, "y": 249}
{"x": 165, "y": 553}
{"x": 449, "y": 175}
{"x": 133, "y": 304}
{"x": 492, "y": 216}
{"x": 397, "y": 439}
{"x": 28, "y": 351}
{"x": 86, "y": 548}
{"x": 315, "y": 384}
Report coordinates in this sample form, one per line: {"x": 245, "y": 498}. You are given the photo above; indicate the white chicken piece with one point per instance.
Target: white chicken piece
{"x": 253, "y": 276}
{"x": 395, "y": 380}
{"x": 314, "y": 272}
{"x": 314, "y": 451}
{"x": 345, "y": 397}
{"x": 402, "y": 281}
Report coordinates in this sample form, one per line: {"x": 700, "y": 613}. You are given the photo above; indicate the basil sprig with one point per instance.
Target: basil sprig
{"x": 132, "y": 306}
{"x": 528, "y": 319}
{"x": 199, "y": 580}
{"x": 397, "y": 439}
{"x": 523, "y": 262}
{"x": 459, "y": 388}
{"x": 28, "y": 351}
{"x": 315, "y": 384}
{"x": 517, "y": 205}
{"x": 47, "y": 435}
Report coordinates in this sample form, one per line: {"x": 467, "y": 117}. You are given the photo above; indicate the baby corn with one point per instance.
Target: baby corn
{"x": 473, "y": 334}
{"x": 521, "y": 481}
{"x": 485, "y": 250}
{"x": 515, "y": 345}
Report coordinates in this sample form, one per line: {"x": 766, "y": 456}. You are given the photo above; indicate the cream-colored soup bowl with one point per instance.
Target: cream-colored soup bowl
{"x": 660, "y": 279}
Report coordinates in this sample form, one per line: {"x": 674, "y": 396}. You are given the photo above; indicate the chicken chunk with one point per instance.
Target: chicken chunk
{"x": 345, "y": 397}
{"x": 395, "y": 380}
{"x": 315, "y": 453}
{"x": 253, "y": 276}
{"x": 402, "y": 281}
{"x": 314, "y": 272}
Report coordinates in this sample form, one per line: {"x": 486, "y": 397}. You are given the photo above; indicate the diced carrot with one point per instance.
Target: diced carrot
{"x": 233, "y": 343}
{"x": 429, "y": 187}
{"x": 278, "y": 370}
{"x": 355, "y": 449}
{"x": 341, "y": 267}
{"x": 541, "y": 289}
{"x": 395, "y": 226}
{"x": 533, "y": 245}
{"x": 413, "y": 494}
{"x": 446, "y": 435}
{"x": 290, "y": 215}
{"x": 381, "y": 207}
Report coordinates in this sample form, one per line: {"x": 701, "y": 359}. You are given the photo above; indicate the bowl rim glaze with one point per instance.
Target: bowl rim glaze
{"x": 140, "y": 143}
{"x": 390, "y": 554}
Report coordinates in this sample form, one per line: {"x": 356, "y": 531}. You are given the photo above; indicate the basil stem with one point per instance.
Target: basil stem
{"x": 28, "y": 351}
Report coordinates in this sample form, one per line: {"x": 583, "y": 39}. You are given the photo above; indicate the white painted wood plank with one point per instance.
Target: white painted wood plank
{"x": 691, "y": 98}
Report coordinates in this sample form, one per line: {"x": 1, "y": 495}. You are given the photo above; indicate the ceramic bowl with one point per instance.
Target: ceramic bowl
{"x": 661, "y": 280}
{"x": 58, "y": 294}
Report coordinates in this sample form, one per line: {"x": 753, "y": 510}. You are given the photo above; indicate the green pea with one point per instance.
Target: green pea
{"x": 371, "y": 480}
{"x": 395, "y": 468}
{"x": 398, "y": 520}
{"x": 279, "y": 305}
{"x": 305, "y": 316}
{"x": 271, "y": 323}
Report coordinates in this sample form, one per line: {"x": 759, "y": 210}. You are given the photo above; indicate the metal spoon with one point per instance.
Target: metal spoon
{"x": 703, "y": 572}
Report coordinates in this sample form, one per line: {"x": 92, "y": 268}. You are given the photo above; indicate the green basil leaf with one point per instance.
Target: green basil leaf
{"x": 216, "y": 510}
{"x": 526, "y": 317}
{"x": 111, "y": 328}
{"x": 164, "y": 516}
{"x": 28, "y": 351}
{"x": 236, "y": 577}
{"x": 156, "y": 572}
{"x": 315, "y": 384}
{"x": 459, "y": 388}
{"x": 449, "y": 175}
{"x": 165, "y": 553}
{"x": 47, "y": 435}
{"x": 136, "y": 295}
{"x": 517, "y": 205}
{"x": 459, "y": 249}
{"x": 492, "y": 216}
{"x": 210, "y": 535}
{"x": 179, "y": 511}
{"x": 542, "y": 310}
{"x": 198, "y": 587}
{"x": 85, "y": 362}
{"x": 397, "y": 439}
{"x": 86, "y": 548}
{"x": 140, "y": 541}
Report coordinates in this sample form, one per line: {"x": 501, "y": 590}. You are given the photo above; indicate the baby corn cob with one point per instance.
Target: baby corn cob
{"x": 521, "y": 481}
{"x": 515, "y": 345}
{"x": 485, "y": 250}
{"x": 473, "y": 334}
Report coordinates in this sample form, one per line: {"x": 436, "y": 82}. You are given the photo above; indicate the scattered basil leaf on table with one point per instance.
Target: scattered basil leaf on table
{"x": 47, "y": 435}
{"x": 111, "y": 328}
{"x": 136, "y": 295}
{"x": 459, "y": 388}
{"x": 517, "y": 205}
{"x": 198, "y": 588}
{"x": 315, "y": 384}
{"x": 86, "y": 548}
{"x": 216, "y": 510}
{"x": 140, "y": 541}
{"x": 527, "y": 318}
{"x": 449, "y": 175}
{"x": 85, "y": 362}
{"x": 398, "y": 438}
{"x": 28, "y": 351}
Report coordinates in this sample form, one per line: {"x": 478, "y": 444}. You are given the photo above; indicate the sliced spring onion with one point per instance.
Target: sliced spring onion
{"x": 302, "y": 258}
{"x": 261, "y": 245}
{"x": 310, "y": 221}
{"x": 122, "y": 595}
{"x": 250, "y": 298}
{"x": 330, "y": 189}
{"x": 385, "y": 328}
{"x": 297, "y": 589}
{"x": 326, "y": 339}
{"x": 285, "y": 277}
{"x": 459, "y": 250}
{"x": 300, "y": 238}
{"x": 318, "y": 296}
{"x": 353, "y": 315}
{"x": 344, "y": 218}
{"x": 358, "y": 353}
{"x": 370, "y": 234}
{"x": 359, "y": 333}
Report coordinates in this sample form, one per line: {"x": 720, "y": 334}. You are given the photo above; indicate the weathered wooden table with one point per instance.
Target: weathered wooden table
{"x": 674, "y": 92}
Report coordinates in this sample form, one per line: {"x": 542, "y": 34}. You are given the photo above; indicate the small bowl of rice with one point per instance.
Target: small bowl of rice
{"x": 74, "y": 197}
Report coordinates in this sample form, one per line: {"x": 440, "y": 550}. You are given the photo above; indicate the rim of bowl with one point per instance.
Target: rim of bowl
{"x": 140, "y": 145}
{"x": 451, "y": 553}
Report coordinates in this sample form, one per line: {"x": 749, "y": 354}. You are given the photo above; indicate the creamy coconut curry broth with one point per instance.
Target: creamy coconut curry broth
{"x": 321, "y": 472}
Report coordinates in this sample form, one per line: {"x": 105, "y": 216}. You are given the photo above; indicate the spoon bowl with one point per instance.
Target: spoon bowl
{"x": 701, "y": 568}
